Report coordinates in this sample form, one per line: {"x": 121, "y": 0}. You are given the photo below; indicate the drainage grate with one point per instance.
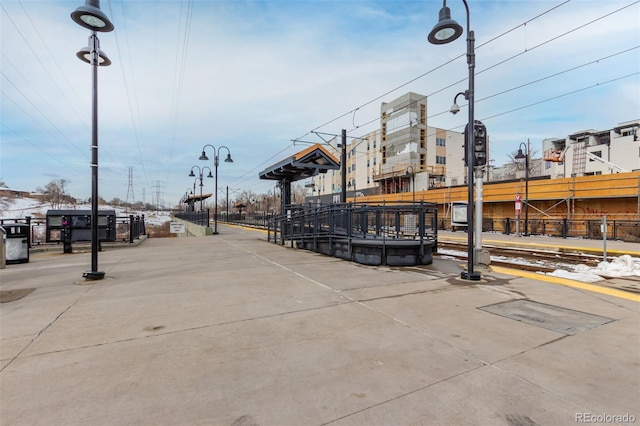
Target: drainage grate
{"x": 562, "y": 320}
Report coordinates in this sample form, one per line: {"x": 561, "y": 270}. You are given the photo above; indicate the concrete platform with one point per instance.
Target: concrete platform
{"x": 232, "y": 330}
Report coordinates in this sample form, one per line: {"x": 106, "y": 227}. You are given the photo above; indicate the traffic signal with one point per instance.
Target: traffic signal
{"x": 479, "y": 144}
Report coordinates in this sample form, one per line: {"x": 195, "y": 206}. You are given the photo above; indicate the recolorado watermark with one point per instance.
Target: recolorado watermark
{"x": 605, "y": 418}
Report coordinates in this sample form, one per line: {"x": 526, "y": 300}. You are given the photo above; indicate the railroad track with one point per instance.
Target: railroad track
{"x": 539, "y": 261}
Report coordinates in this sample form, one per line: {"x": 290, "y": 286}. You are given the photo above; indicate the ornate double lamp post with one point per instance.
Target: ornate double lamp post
{"x": 201, "y": 176}
{"x": 91, "y": 17}
{"x": 446, "y": 31}
{"x": 216, "y": 162}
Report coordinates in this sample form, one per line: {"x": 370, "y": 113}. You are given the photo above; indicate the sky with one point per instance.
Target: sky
{"x": 253, "y": 76}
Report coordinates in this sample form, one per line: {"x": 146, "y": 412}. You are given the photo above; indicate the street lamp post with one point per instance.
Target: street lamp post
{"x": 446, "y": 31}
{"x": 201, "y": 175}
{"x": 91, "y": 17}
{"x": 413, "y": 181}
{"x": 186, "y": 196}
{"x": 521, "y": 156}
{"x": 216, "y": 162}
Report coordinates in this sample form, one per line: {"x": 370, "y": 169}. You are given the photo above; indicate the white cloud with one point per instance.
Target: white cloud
{"x": 257, "y": 74}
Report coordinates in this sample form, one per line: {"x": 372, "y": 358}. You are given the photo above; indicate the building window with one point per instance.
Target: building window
{"x": 423, "y": 114}
{"x": 384, "y": 155}
{"x": 374, "y": 161}
{"x": 353, "y": 167}
{"x": 423, "y": 138}
{"x": 441, "y": 160}
{"x": 423, "y": 160}
{"x": 368, "y": 163}
{"x": 374, "y": 144}
{"x": 441, "y": 142}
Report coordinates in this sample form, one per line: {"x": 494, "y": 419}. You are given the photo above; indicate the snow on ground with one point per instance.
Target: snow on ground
{"x": 623, "y": 266}
{"x": 19, "y": 208}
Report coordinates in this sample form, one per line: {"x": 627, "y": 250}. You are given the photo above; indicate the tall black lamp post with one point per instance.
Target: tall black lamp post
{"x": 521, "y": 156}
{"x": 201, "y": 176}
{"x": 91, "y": 17}
{"x": 446, "y": 31}
{"x": 216, "y": 162}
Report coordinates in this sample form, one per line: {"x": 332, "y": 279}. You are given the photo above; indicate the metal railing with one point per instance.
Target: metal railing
{"x": 128, "y": 228}
{"x": 199, "y": 218}
{"x": 382, "y": 222}
{"x": 622, "y": 230}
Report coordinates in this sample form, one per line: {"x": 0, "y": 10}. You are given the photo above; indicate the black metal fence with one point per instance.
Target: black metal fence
{"x": 621, "y": 230}
{"x": 352, "y": 220}
{"x": 199, "y": 218}
{"x": 128, "y": 228}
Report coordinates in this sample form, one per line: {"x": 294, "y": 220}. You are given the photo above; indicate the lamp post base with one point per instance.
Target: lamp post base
{"x": 473, "y": 276}
{"x": 93, "y": 275}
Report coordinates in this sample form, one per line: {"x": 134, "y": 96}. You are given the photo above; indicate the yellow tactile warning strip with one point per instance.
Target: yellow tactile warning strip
{"x": 540, "y": 277}
{"x": 569, "y": 283}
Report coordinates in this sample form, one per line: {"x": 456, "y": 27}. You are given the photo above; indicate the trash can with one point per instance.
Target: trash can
{"x": 3, "y": 248}
{"x": 17, "y": 245}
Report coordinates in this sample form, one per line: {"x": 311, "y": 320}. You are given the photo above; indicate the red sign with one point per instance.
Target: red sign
{"x": 518, "y": 206}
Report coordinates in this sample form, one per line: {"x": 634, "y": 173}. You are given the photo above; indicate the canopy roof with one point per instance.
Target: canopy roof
{"x": 194, "y": 198}
{"x": 306, "y": 163}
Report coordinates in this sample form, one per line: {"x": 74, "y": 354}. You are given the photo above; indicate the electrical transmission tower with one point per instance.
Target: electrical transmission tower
{"x": 157, "y": 187}
{"x": 130, "y": 189}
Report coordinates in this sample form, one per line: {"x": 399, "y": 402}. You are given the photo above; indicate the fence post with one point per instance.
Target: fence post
{"x": 131, "y": 228}
{"x": 29, "y": 237}
{"x": 564, "y": 227}
{"x": 507, "y": 226}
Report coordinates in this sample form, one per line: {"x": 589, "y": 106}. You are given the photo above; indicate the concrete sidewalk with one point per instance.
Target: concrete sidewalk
{"x": 232, "y": 330}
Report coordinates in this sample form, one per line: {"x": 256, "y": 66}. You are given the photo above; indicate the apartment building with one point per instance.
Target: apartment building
{"x": 404, "y": 154}
{"x": 593, "y": 152}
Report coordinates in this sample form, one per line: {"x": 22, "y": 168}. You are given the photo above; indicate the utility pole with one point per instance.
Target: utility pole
{"x": 343, "y": 166}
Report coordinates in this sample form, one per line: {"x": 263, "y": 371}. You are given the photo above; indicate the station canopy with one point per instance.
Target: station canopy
{"x": 306, "y": 163}
{"x": 195, "y": 198}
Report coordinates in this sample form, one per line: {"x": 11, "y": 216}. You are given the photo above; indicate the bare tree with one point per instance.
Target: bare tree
{"x": 55, "y": 194}
{"x": 5, "y": 202}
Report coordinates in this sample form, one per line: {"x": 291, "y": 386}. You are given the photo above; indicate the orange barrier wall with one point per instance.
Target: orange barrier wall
{"x": 584, "y": 197}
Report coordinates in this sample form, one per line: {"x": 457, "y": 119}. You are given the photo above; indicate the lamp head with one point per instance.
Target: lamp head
{"x": 520, "y": 155}
{"x": 454, "y": 109}
{"x": 446, "y": 30}
{"x": 91, "y": 17}
{"x": 228, "y": 159}
{"x": 191, "y": 174}
{"x": 84, "y": 55}
{"x": 209, "y": 175}
{"x": 203, "y": 156}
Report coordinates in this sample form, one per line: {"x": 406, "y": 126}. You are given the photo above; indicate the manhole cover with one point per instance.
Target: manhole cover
{"x": 13, "y": 295}
{"x": 551, "y": 317}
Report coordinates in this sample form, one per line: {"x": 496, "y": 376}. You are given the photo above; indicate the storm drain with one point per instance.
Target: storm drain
{"x": 555, "y": 318}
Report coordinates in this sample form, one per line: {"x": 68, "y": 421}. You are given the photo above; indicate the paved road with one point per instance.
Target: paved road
{"x": 232, "y": 330}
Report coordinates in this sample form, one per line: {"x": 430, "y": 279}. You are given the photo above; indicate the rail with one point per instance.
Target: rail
{"x": 621, "y": 230}
{"x": 383, "y": 223}
{"x": 199, "y": 218}
{"x": 128, "y": 228}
